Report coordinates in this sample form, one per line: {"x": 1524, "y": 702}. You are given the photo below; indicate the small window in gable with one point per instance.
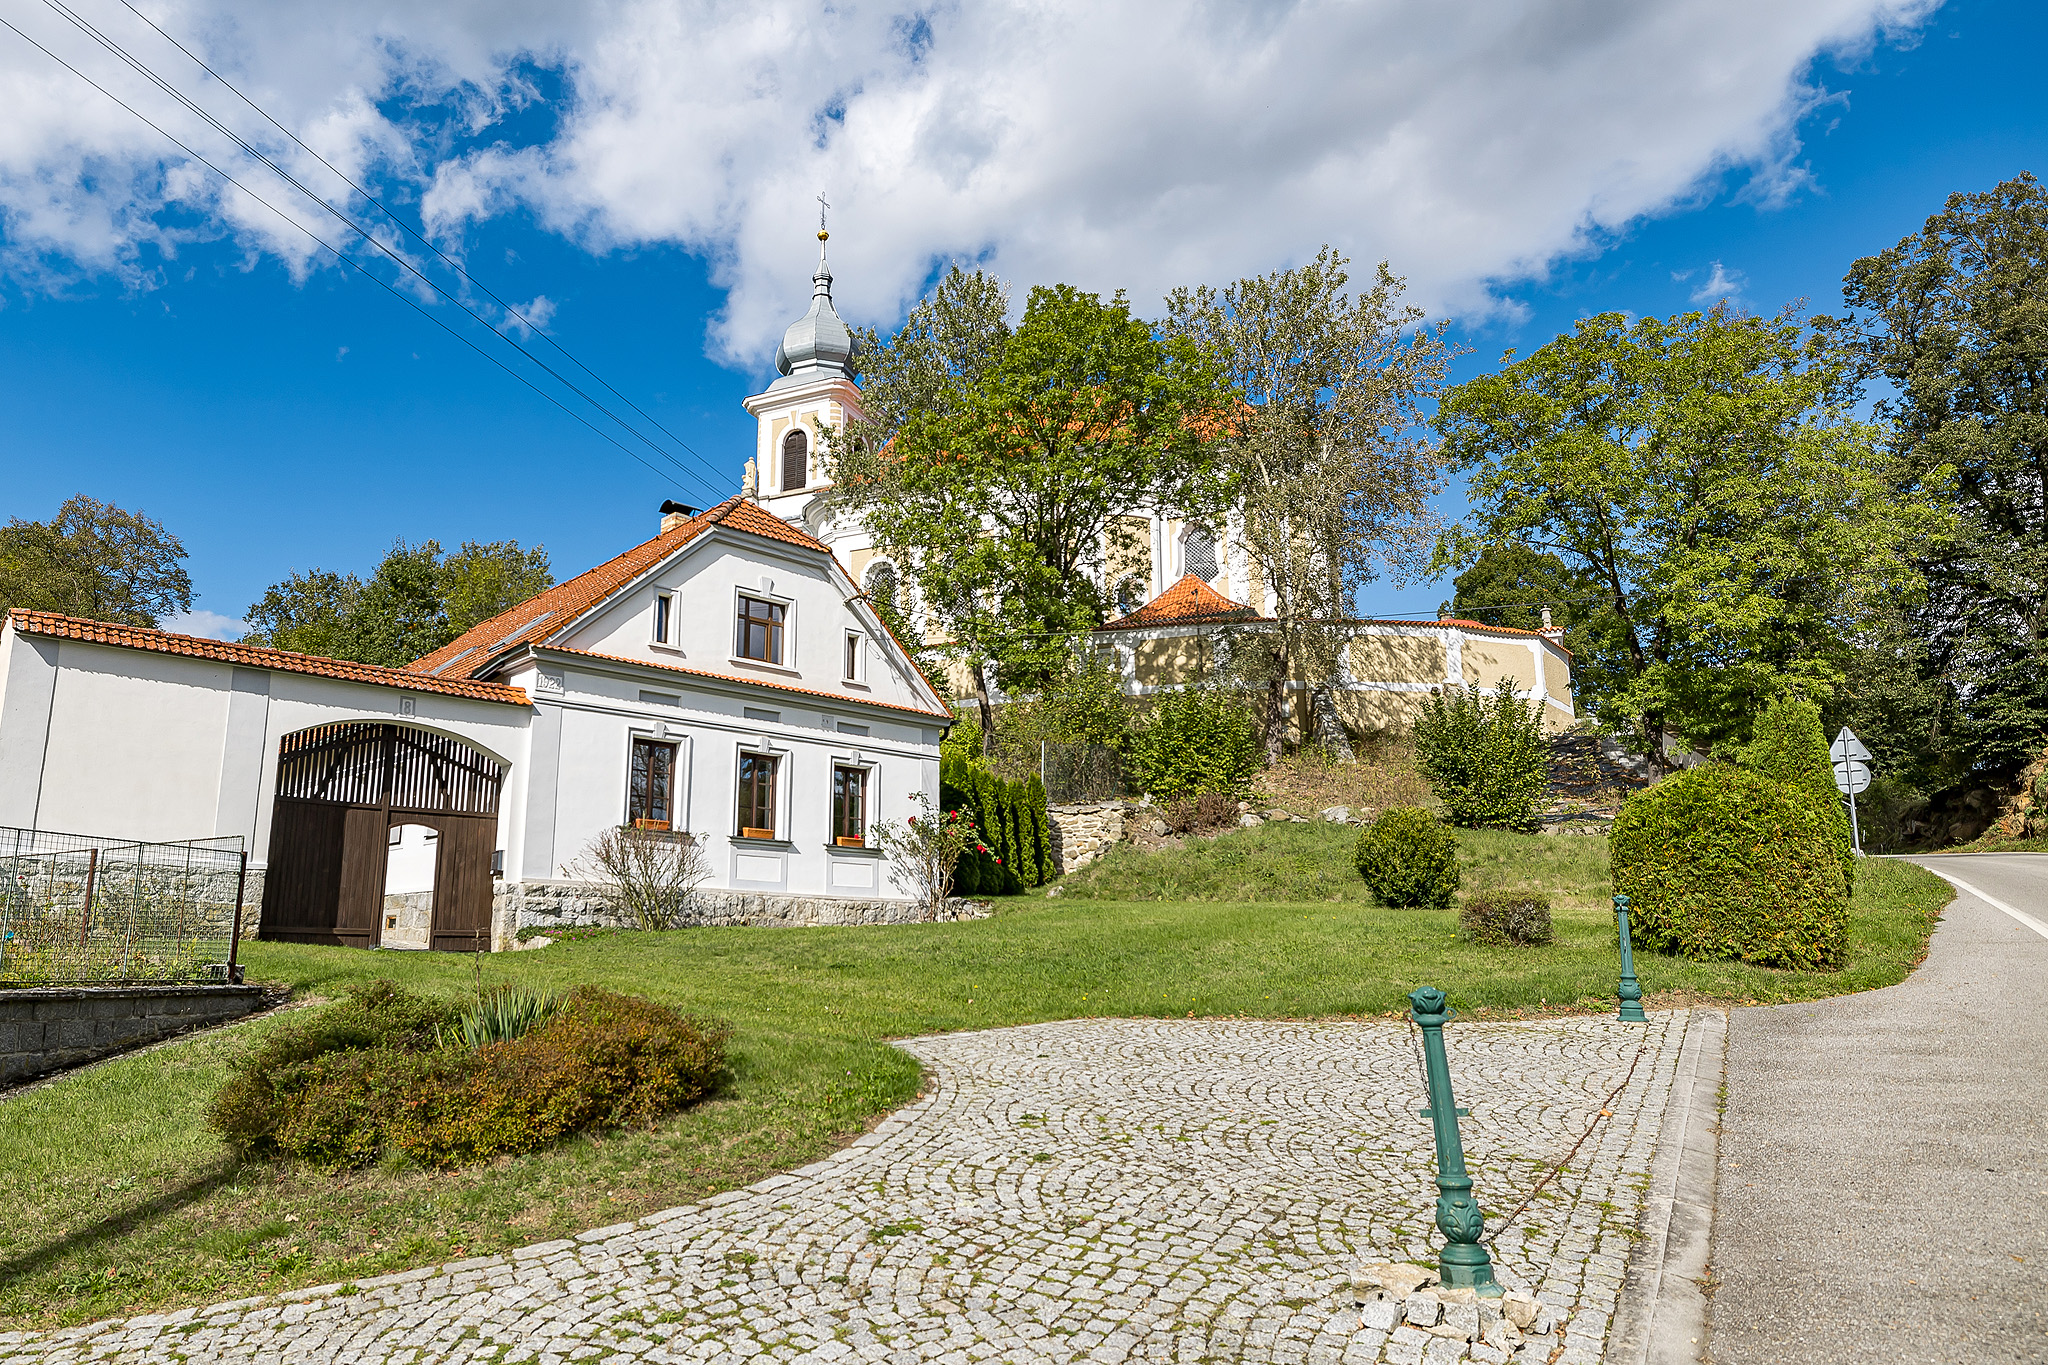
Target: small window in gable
{"x": 854, "y": 661}
{"x": 664, "y": 612}
{"x": 796, "y": 460}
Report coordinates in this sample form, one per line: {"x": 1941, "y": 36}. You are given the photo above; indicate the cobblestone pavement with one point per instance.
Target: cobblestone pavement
{"x": 1090, "y": 1191}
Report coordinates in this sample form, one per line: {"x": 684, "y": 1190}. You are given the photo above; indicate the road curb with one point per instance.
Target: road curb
{"x": 1661, "y": 1318}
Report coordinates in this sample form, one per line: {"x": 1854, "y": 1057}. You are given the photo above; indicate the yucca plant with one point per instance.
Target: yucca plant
{"x": 499, "y": 1016}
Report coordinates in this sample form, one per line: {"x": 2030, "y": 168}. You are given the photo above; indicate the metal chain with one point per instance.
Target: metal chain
{"x": 1606, "y": 1111}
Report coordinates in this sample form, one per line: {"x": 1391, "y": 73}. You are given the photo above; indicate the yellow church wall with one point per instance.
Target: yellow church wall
{"x": 857, "y": 564}
{"x": 1130, "y": 549}
{"x": 1400, "y": 658}
{"x": 1488, "y": 661}
{"x": 1371, "y": 713}
{"x": 1175, "y": 662}
{"x": 1557, "y": 675}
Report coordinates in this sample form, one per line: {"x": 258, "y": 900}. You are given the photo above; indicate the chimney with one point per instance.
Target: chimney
{"x": 1550, "y": 632}
{"x": 674, "y": 514}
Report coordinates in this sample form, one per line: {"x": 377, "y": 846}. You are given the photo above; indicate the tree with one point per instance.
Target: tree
{"x": 1485, "y": 755}
{"x": 1743, "y": 528}
{"x": 994, "y": 461}
{"x": 413, "y": 603}
{"x": 96, "y": 561}
{"x": 1955, "y": 317}
{"x": 1327, "y": 472}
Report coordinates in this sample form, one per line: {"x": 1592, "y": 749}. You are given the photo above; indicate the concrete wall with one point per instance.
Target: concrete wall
{"x": 45, "y": 1029}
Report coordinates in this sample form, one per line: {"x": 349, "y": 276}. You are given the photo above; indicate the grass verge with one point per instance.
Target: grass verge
{"x": 115, "y": 1197}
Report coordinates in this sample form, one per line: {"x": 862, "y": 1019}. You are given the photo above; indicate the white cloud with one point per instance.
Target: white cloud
{"x": 208, "y": 625}
{"x": 1719, "y": 285}
{"x": 1104, "y": 142}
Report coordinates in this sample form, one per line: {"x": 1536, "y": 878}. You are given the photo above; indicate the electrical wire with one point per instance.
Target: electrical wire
{"x": 363, "y": 233}
{"x": 338, "y": 254}
{"x": 415, "y": 233}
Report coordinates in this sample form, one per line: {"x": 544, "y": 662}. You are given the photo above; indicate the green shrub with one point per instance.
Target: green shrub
{"x": 1503, "y": 919}
{"x": 1041, "y": 830}
{"x": 1721, "y": 862}
{"x": 1787, "y": 744}
{"x": 598, "y": 1060}
{"x": 1409, "y": 858}
{"x": 1200, "y": 739}
{"x": 1485, "y": 756}
{"x": 1210, "y": 810}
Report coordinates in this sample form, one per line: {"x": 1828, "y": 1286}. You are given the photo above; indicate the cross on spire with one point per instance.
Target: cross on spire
{"x": 822, "y": 206}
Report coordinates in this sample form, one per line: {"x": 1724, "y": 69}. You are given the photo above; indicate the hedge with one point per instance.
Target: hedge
{"x": 1011, "y": 819}
{"x": 1720, "y": 862}
{"x": 1788, "y": 744}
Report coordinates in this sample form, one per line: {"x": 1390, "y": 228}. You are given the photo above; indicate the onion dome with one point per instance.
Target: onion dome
{"x": 817, "y": 345}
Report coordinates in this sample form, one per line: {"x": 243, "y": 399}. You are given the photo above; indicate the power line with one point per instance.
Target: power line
{"x": 348, "y": 221}
{"x": 335, "y": 251}
{"x": 415, "y": 233}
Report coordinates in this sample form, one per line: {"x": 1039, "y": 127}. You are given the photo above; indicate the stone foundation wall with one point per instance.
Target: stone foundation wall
{"x": 409, "y": 919}
{"x": 1083, "y": 833}
{"x": 48, "y": 1028}
{"x": 544, "y": 905}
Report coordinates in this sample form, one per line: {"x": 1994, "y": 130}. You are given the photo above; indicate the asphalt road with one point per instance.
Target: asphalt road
{"x": 1883, "y": 1187}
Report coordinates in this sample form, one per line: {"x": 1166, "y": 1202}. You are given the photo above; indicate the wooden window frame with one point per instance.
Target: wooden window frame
{"x": 797, "y": 437}
{"x": 858, "y": 836}
{"x": 664, "y": 618}
{"x": 856, "y": 657}
{"x": 641, "y": 814}
{"x": 776, "y": 629}
{"x": 748, "y": 803}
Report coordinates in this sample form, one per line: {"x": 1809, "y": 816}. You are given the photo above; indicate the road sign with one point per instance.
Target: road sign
{"x": 1847, "y": 746}
{"x": 1851, "y": 776}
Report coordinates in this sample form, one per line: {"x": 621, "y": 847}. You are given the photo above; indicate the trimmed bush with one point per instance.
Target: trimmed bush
{"x": 1788, "y": 744}
{"x": 1200, "y": 739}
{"x": 1485, "y": 756}
{"x": 344, "y": 1092}
{"x": 1409, "y": 858}
{"x": 1507, "y": 919}
{"x": 1721, "y": 862}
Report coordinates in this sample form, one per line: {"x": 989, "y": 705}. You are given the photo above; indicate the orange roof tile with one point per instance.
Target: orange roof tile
{"x": 538, "y": 617}
{"x": 749, "y": 681}
{"x": 250, "y": 656}
{"x": 1188, "y": 602}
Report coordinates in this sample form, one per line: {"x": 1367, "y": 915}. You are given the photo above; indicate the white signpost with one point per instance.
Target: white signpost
{"x": 1852, "y": 774}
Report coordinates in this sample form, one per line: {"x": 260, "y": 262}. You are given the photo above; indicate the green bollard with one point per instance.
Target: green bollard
{"x": 1631, "y": 993}
{"x": 1463, "y": 1263}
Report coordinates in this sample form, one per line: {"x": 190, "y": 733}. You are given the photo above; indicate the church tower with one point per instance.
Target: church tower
{"x": 816, "y": 388}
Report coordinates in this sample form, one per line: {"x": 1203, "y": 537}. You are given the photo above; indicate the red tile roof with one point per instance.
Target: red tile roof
{"x": 1188, "y": 602}
{"x": 539, "y": 617}
{"x": 848, "y": 698}
{"x": 250, "y": 656}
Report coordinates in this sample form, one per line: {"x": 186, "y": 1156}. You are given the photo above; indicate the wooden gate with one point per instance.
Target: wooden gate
{"x": 340, "y": 789}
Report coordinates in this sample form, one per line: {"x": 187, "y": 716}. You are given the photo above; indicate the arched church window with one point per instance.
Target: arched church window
{"x": 881, "y": 586}
{"x": 796, "y": 460}
{"x": 1198, "y": 552}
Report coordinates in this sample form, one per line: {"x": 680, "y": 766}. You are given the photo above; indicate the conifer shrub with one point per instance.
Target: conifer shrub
{"x": 1507, "y": 919}
{"x": 1485, "y": 756}
{"x": 1788, "y": 744}
{"x": 1041, "y": 829}
{"x": 347, "y": 1091}
{"x": 1719, "y": 862}
{"x": 1409, "y": 858}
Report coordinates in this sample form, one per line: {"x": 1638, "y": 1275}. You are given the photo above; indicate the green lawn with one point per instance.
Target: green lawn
{"x": 115, "y": 1198}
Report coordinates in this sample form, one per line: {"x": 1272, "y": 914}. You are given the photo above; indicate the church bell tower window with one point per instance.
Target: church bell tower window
{"x": 796, "y": 460}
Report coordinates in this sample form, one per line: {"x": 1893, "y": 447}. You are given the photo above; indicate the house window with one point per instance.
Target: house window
{"x": 850, "y": 807}
{"x": 881, "y": 587}
{"x": 796, "y": 460}
{"x": 760, "y": 629}
{"x": 757, "y": 795}
{"x": 852, "y": 656}
{"x": 650, "y": 792}
{"x": 663, "y": 606}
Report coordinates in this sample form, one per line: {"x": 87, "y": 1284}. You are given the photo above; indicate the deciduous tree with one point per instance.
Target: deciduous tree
{"x": 1327, "y": 472}
{"x": 97, "y": 561}
{"x": 1706, "y": 471}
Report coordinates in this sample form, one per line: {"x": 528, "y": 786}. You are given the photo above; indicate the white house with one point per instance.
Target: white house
{"x": 724, "y": 679}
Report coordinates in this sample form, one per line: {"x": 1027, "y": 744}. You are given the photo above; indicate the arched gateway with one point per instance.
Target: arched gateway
{"x": 340, "y": 789}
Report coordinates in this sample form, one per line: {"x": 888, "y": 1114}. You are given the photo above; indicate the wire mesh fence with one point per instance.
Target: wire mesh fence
{"x": 79, "y": 910}
{"x": 1079, "y": 773}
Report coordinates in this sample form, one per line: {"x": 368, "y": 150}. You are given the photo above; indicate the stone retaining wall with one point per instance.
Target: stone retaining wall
{"x": 1083, "y": 833}
{"x": 48, "y": 1028}
{"x": 544, "y": 905}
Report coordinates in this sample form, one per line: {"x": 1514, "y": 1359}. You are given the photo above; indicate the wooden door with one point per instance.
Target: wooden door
{"x": 302, "y": 886}
{"x": 462, "y": 882}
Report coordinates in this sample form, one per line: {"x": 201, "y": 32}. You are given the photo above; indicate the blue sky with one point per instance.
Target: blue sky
{"x": 279, "y": 417}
